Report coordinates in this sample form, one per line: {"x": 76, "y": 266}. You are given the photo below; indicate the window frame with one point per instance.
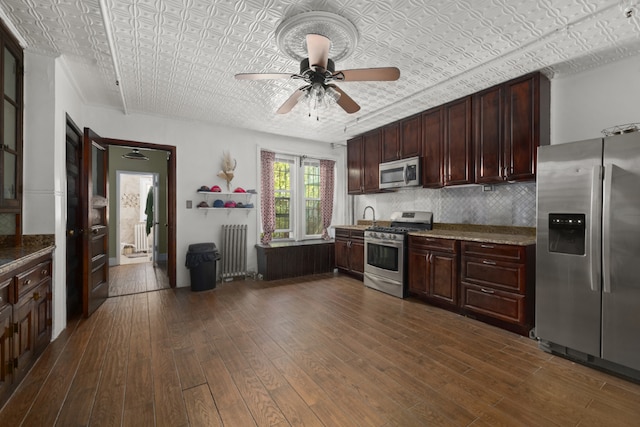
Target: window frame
{"x": 298, "y": 199}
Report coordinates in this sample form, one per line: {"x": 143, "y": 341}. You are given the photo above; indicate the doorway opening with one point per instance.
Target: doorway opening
{"x": 136, "y": 218}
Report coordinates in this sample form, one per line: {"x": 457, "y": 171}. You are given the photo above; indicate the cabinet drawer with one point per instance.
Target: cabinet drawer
{"x": 32, "y": 277}
{"x": 507, "y": 276}
{"x": 509, "y": 253}
{"x": 501, "y": 305}
{"x": 342, "y": 233}
{"x": 432, "y": 243}
{"x": 357, "y": 235}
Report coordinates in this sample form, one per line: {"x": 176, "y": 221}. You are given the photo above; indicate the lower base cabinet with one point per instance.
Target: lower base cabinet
{"x": 433, "y": 270}
{"x": 25, "y": 319}
{"x": 493, "y": 283}
{"x": 349, "y": 255}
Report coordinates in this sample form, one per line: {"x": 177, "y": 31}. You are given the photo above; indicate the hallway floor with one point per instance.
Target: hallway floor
{"x": 127, "y": 279}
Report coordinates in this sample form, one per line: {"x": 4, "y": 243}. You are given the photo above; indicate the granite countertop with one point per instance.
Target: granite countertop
{"x": 480, "y": 236}
{"x": 12, "y": 257}
{"x": 499, "y": 234}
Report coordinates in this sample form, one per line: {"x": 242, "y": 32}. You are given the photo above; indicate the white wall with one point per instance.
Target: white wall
{"x": 583, "y": 104}
{"x": 199, "y": 149}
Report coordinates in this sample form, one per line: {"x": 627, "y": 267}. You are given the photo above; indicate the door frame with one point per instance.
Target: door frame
{"x": 171, "y": 196}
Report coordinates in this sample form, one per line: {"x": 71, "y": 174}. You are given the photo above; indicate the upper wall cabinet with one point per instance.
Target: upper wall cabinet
{"x": 411, "y": 137}
{"x": 489, "y": 137}
{"x": 390, "y": 146}
{"x": 355, "y": 173}
{"x": 432, "y": 148}
{"x": 510, "y": 121}
{"x": 402, "y": 139}
{"x": 363, "y": 159}
{"x": 458, "y": 148}
{"x": 10, "y": 124}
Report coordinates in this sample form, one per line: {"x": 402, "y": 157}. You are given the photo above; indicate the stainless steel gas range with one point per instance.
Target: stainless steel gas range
{"x": 385, "y": 251}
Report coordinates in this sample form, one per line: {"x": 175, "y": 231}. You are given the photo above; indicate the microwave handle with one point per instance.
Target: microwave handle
{"x": 404, "y": 174}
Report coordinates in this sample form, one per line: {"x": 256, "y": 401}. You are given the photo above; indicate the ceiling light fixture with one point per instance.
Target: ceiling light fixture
{"x": 135, "y": 154}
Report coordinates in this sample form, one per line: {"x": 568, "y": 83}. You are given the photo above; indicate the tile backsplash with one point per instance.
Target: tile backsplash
{"x": 506, "y": 204}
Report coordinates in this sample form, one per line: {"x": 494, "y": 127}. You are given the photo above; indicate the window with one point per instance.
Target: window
{"x": 297, "y": 197}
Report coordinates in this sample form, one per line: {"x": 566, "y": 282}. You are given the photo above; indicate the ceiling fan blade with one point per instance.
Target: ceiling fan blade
{"x": 368, "y": 74}
{"x": 292, "y": 100}
{"x": 263, "y": 76}
{"x": 318, "y": 49}
{"x": 345, "y": 101}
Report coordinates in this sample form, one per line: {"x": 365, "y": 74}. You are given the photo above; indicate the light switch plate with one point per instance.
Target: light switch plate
{"x": 189, "y": 204}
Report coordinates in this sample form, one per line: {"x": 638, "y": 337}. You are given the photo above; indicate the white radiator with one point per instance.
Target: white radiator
{"x": 140, "y": 237}
{"x": 234, "y": 251}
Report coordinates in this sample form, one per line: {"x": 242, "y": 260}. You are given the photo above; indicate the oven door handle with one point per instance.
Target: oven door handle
{"x": 395, "y": 244}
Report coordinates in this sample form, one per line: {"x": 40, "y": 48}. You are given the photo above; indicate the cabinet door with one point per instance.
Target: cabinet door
{"x": 6, "y": 348}
{"x": 371, "y": 161}
{"x": 390, "y": 149}
{"x": 432, "y": 140}
{"x": 24, "y": 339}
{"x": 411, "y": 137}
{"x": 42, "y": 315}
{"x": 443, "y": 276}
{"x": 354, "y": 166}
{"x": 342, "y": 254}
{"x": 418, "y": 271}
{"x": 356, "y": 256}
{"x": 458, "y": 150}
{"x": 522, "y": 130}
{"x": 488, "y": 137}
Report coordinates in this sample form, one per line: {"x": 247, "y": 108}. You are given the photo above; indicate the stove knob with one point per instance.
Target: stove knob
{"x": 373, "y": 234}
{"x": 393, "y": 236}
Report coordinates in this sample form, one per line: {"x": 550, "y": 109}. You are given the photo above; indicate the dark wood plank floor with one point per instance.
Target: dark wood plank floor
{"x": 127, "y": 279}
{"x": 322, "y": 351}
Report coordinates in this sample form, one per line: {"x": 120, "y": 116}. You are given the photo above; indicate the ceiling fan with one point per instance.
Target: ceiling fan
{"x": 318, "y": 71}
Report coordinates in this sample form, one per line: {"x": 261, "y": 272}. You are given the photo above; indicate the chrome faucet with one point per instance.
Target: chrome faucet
{"x": 372, "y": 210}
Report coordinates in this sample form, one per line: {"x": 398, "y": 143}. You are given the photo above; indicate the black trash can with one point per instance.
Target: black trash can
{"x": 201, "y": 262}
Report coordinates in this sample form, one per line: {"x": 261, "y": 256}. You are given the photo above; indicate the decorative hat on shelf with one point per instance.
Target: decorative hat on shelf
{"x": 228, "y": 166}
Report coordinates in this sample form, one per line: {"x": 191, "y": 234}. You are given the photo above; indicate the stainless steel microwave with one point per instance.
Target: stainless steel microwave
{"x": 400, "y": 173}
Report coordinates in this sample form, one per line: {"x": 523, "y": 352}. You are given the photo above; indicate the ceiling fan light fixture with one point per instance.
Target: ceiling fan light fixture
{"x": 332, "y": 95}
{"x": 135, "y": 154}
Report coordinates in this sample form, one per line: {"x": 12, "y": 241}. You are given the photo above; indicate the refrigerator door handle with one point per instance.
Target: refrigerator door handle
{"x": 594, "y": 229}
{"x": 606, "y": 228}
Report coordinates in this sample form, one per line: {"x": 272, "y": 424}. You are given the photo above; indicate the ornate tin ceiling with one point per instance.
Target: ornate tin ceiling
{"x": 177, "y": 58}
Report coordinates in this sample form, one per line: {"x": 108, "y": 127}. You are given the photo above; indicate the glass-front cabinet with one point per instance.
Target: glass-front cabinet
{"x": 11, "y": 127}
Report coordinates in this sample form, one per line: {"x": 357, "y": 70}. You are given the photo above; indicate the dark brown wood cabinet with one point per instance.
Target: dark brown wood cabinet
{"x": 371, "y": 161}
{"x": 432, "y": 148}
{"x": 363, "y": 160}
{"x": 390, "y": 146}
{"x": 411, "y": 137}
{"x": 497, "y": 283}
{"x": 510, "y": 122}
{"x": 458, "y": 147}
{"x": 349, "y": 246}
{"x": 6, "y": 341}
{"x": 433, "y": 270}
{"x": 355, "y": 173}
{"x": 28, "y": 316}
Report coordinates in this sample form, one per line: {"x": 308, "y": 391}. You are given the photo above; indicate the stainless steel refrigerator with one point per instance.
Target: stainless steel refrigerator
{"x": 588, "y": 251}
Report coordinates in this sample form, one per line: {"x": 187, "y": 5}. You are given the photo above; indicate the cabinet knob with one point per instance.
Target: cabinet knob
{"x": 36, "y": 296}
{"x": 27, "y": 282}
{"x": 44, "y": 272}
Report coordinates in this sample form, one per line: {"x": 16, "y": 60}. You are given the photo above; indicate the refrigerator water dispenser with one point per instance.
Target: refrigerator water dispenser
{"x": 567, "y": 233}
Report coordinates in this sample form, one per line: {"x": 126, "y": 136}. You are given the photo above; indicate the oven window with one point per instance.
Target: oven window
{"x": 381, "y": 256}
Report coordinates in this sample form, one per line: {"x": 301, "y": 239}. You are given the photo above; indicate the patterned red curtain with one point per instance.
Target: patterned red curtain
{"x": 267, "y": 199}
{"x": 327, "y": 178}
